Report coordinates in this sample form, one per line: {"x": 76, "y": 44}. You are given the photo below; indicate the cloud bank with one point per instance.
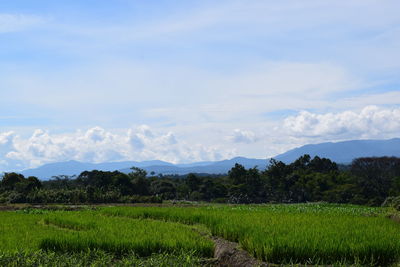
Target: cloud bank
{"x": 240, "y": 136}
{"x": 370, "y": 122}
{"x": 99, "y": 145}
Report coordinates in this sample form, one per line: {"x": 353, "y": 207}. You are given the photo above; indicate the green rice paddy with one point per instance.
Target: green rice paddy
{"x": 280, "y": 234}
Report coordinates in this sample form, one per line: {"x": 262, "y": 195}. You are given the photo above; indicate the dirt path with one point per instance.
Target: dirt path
{"x": 230, "y": 254}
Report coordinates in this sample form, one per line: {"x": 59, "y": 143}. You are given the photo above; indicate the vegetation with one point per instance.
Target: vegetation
{"x": 303, "y": 233}
{"x": 87, "y": 230}
{"x": 96, "y": 258}
{"x": 148, "y": 236}
{"x": 179, "y": 235}
{"x": 366, "y": 181}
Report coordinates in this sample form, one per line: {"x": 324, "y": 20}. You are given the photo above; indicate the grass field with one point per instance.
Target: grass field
{"x": 303, "y": 233}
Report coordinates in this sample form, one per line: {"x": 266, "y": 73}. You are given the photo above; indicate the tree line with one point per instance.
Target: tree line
{"x": 369, "y": 180}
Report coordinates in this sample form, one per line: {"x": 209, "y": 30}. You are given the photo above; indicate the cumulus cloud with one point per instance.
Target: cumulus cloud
{"x": 6, "y": 141}
{"x": 370, "y": 122}
{"x": 241, "y": 136}
{"x": 99, "y": 145}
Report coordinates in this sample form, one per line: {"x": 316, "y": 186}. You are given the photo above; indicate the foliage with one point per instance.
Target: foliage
{"x": 393, "y": 202}
{"x": 377, "y": 178}
{"x": 366, "y": 181}
{"x": 302, "y": 233}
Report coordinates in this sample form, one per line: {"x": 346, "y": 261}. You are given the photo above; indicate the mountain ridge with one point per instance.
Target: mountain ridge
{"x": 345, "y": 151}
{"x": 341, "y": 152}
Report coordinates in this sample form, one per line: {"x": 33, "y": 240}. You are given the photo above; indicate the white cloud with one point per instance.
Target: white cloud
{"x": 144, "y": 143}
{"x": 99, "y": 145}
{"x": 370, "y": 122}
{"x": 6, "y": 141}
{"x": 135, "y": 140}
{"x": 18, "y": 22}
{"x": 241, "y": 136}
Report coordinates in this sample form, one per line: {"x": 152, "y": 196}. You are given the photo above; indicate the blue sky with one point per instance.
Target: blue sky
{"x": 186, "y": 81}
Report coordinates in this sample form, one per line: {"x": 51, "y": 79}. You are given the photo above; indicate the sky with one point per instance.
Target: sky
{"x": 185, "y": 81}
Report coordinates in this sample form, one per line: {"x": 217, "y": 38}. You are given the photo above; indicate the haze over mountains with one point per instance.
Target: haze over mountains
{"x": 340, "y": 152}
{"x": 158, "y": 167}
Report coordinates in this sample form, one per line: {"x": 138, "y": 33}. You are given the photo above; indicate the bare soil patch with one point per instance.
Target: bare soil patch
{"x": 230, "y": 254}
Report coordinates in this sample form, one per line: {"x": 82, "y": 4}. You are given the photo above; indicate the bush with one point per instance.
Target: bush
{"x": 393, "y": 202}
{"x": 15, "y": 197}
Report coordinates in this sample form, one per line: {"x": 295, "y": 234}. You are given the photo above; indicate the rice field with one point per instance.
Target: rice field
{"x": 96, "y": 258}
{"x": 90, "y": 230}
{"x": 280, "y": 234}
{"x": 315, "y": 234}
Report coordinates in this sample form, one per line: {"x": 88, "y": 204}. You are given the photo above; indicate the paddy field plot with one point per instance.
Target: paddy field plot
{"x": 304, "y": 233}
{"x": 280, "y": 234}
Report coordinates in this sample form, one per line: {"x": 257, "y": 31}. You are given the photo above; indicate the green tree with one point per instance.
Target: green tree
{"x": 10, "y": 180}
{"x": 192, "y": 182}
{"x": 376, "y": 177}
{"x": 141, "y": 185}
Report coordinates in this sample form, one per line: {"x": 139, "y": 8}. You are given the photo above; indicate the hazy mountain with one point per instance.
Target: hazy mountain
{"x": 73, "y": 167}
{"x": 217, "y": 167}
{"x": 345, "y": 152}
{"x": 340, "y": 152}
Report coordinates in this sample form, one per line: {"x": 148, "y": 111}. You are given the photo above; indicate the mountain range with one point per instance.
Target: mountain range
{"x": 344, "y": 152}
{"x": 340, "y": 152}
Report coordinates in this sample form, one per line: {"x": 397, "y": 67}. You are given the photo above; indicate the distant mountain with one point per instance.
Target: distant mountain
{"x": 158, "y": 167}
{"x": 217, "y": 167}
{"x": 73, "y": 167}
{"x": 345, "y": 152}
{"x": 340, "y": 152}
